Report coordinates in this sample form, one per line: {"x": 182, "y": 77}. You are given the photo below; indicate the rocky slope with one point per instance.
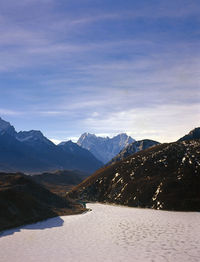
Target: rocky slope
{"x": 165, "y": 176}
{"x": 31, "y": 151}
{"x": 104, "y": 148}
{"x": 132, "y": 149}
{"x": 23, "y": 201}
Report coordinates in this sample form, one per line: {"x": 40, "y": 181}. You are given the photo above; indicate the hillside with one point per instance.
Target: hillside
{"x": 193, "y": 134}
{"x": 23, "y": 201}
{"x": 165, "y": 176}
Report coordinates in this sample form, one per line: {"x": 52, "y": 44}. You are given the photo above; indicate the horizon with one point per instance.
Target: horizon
{"x": 103, "y": 135}
{"x": 101, "y": 67}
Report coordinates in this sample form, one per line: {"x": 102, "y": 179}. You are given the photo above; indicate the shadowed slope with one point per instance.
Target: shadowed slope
{"x": 23, "y": 201}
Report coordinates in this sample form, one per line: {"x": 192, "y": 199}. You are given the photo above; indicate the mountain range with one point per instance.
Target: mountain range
{"x": 104, "y": 148}
{"x": 31, "y": 151}
{"x": 144, "y": 174}
{"x": 165, "y": 176}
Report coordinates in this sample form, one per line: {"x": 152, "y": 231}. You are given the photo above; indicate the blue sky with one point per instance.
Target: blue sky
{"x": 101, "y": 66}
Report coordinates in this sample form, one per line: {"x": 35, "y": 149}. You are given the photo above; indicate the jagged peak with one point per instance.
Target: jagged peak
{"x": 122, "y": 134}
{"x": 34, "y": 132}
{"x": 88, "y": 135}
{"x": 68, "y": 142}
{"x": 4, "y": 124}
{"x": 6, "y": 127}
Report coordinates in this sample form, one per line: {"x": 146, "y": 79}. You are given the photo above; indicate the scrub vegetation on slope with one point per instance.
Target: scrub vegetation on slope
{"x": 165, "y": 176}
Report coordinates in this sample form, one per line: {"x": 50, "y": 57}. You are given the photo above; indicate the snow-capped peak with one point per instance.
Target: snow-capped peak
{"x": 104, "y": 148}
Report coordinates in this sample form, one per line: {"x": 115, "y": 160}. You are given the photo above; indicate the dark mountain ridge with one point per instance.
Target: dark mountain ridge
{"x": 31, "y": 151}
{"x": 77, "y": 153}
{"x": 166, "y": 176}
{"x": 194, "y": 134}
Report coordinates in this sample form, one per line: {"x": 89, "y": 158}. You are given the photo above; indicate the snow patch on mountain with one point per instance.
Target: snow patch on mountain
{"x": 104, "y": 148}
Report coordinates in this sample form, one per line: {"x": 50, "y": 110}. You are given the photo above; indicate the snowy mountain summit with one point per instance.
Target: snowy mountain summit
{"x": 104, "y": 148}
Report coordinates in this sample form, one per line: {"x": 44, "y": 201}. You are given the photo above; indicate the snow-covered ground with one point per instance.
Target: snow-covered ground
{"x": 107, "y": 233}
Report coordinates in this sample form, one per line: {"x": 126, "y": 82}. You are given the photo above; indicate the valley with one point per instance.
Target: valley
{"x": 99, "y": 131}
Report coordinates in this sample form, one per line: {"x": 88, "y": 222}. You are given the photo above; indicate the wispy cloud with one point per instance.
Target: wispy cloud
{"x": 7, "y": 112}
{"x": 95, "y": 18}
{"x": 101, "y": 67}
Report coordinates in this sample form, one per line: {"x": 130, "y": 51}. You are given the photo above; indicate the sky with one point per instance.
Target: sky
{"x": 101, "y": 66}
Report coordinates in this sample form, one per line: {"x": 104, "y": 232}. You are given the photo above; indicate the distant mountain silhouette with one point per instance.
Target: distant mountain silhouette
{"x": 31, "y": 151}
{"x": 164, "y": 176}
{"x": 104, "y": 148}
{"x": 14, "y": 155}
{"x": 79, "y": 157}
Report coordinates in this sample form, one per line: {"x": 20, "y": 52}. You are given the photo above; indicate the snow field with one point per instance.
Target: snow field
{"x": 107, "y": 233}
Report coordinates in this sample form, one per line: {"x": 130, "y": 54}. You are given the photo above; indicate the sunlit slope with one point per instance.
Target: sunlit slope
{"x": 166, "y": 176}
